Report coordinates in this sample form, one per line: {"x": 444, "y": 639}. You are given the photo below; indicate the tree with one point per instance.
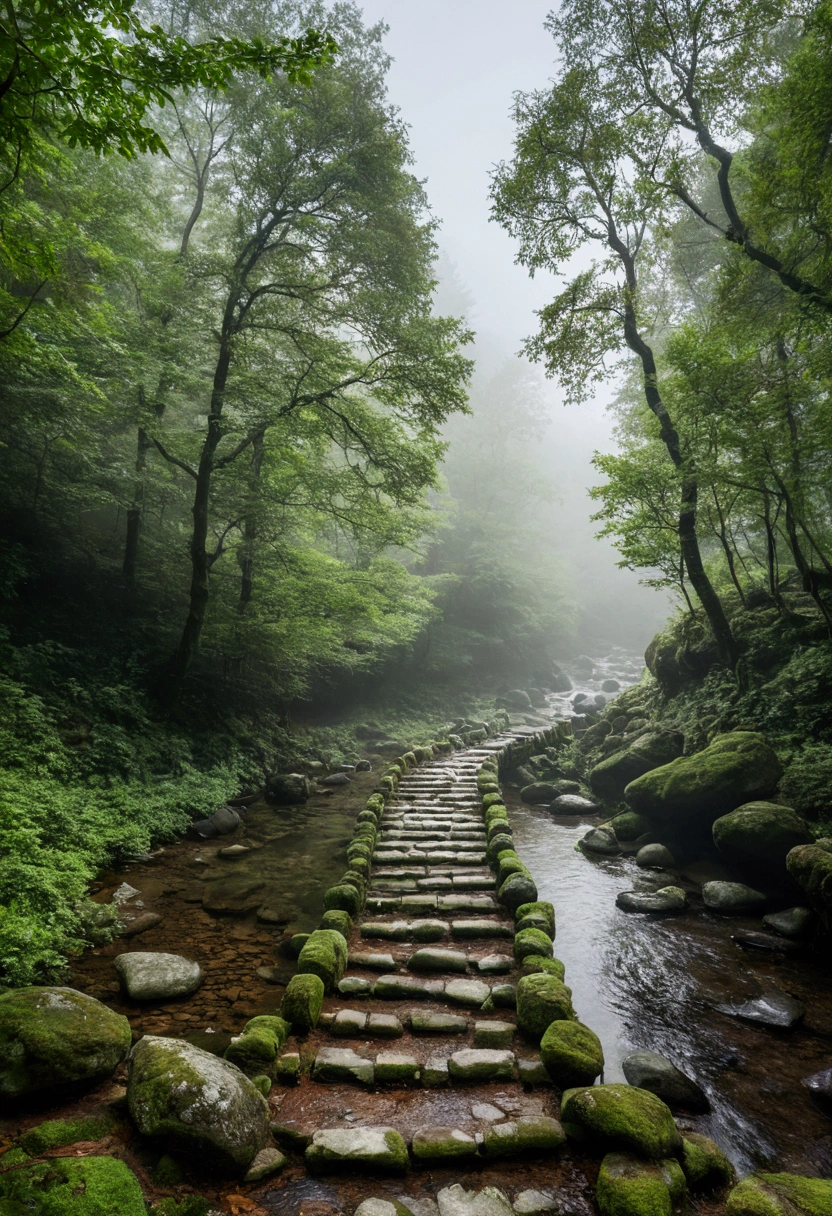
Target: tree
{"x": 572, "y": 183}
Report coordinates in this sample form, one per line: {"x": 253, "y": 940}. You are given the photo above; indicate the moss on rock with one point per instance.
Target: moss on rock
{"x": 302, "y": 1001}
{"x": 58, "y": 1133}
{"x": 344, "y": 898}
{"x": 735, "y": 768}
{"x": 530, "y": 942}
{"x": 706, "y": 1166}
{"x": 780, "y": 1195}
{"x": 622, "y": 1116}
{"x": 519, "y": 888}
{"x": 629, "y": 826}
{"x": 72, "y": 1186}
{"x": 537, "y": 915}
{"x": 628, "y": 1186}
{"x": 534, "y": 964}
{"x": 336, "y": 918}
{"x": 571, "y": 1053}
{"x": 256, "y": 1049}
{"x": 810, "y": 865}
{"x": 610, "y": 777}
{"x": 324, "y": 955}
{"x": 541, "y": 1000}
{"x": 56, "y": 1036}
{"x": 759, "y": 835}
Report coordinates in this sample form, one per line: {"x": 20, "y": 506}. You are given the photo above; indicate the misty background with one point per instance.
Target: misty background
{"x": 455, "y": 67}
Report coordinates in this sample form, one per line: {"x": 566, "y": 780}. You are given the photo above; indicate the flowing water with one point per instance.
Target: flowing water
{"x": 651, "y": 983}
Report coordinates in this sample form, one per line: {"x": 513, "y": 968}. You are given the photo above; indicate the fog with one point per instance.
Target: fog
{"x": 456, "y": 65}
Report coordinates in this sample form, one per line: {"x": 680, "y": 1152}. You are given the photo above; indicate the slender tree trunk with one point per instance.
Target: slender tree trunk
{"x": 807, "y": 574}
{"x": 688, "y": 539}
{"x": 181, "y": 659}
{"x": 135, "y": 511}
{"x": 726, "y": 546}
{"x": 771, "y": 551}
{"x": 250, "y": 528}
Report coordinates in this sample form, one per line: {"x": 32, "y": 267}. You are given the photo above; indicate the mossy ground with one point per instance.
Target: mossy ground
{"x": 85, "y": 1186}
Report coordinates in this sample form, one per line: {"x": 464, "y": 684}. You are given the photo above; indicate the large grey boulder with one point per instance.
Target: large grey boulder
{"x": 649, "y": 1070}
{"x": 733, "y": 898}
{"x": 56, "y": 1036}
{"x": 287, "y": 789}
{"x": 655, "y": 857}
{"x": 611, "y": 776}
{"x": 759, "y": 835}
{"x": 573, "y": 804}
{"x": 666, "y": 899}
{"x": 197, "y": 1102}
{"x": 793, "y": 922}
{"x": 221, "y": 823}
{"x": 148, "y": 976}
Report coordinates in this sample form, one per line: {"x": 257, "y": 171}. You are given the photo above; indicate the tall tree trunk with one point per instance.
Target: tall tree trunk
{"x": 688, "y": 539}
{"x": 135, "y": 511}
{"x": 250, "y": 527}
{"x": 807, "y": 574}
{"x": 771, "y": 551}
{"x": 181, "y": 659}
{"x": 727, "y": 547}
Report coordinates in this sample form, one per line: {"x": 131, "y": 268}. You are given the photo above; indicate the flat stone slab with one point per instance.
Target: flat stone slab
{"x": 419, "y": 903}
{"x": 470, "y": 993}
{"x": 333, "y": 1064}
{"x": 393, "y": 931}
{"x": 360, "y": 1147}
{"x": 532, "y": 1072}
{"x": 534, "y": 1203}
{"x": 538, "y": 1133}
{"x": 349, "y": 1023}
{"x": 442, "y": 1144}
{"x": 493, "y": 1034}
{"x": 435, "y": 1072}
{"x": 486, "y": 1113}
{"x": 148, "y": 976}
{"x": 472, "y": 882}
{"x": 476, "y": 1064}
{"x": 469, "y": 929}
{"x": 495, "y": 964}
{"x": 353, "y": 985}
{"x": 775, "y": 1009}
{"x": 438, "y": 1023}
{"x": 456, "y": 1201}
{"x": 406, "y": 987}
{"x": 434, "y": 958}
{"x": 428, "y": 930}
{"x": 438, "y": 883}
{"x": 374, "y": 962}
{"x": 467, "y": 903}
{"x": 668, "y": 899}
{"x": 384, "y": 1026}
{"x": 397, "y": 1068}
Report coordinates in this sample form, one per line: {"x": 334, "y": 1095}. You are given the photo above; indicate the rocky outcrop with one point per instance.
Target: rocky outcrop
{"x": 693, "y": 791}
{"x": 810, "y": 865}
{"x": 56, "y": 1036}
{"x": 196, "y": 1102}
{"x": 611, "y": 776}
{"x": 759, "y": 835}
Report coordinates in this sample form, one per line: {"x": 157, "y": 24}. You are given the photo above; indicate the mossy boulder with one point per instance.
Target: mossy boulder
{"x": 519, "y": 888}
{"x": 537, "y": 915}
{"x": 572, "y": 1054}
{"x": 324, "y": 955}
{"x": 810, "y": 865}
{"x": 780, "y": 1195}
{"x": 736, "y": 768}
{"x": 609, "y": 778}
{"x": 541, "y": 1000}
{"x": 72, "y": 1186}
{"x": 56, "y": 1036}
{"x": 500, "y": 842}
{"x": 529, "y": 1134}
{"x": 628, "y": 1186}
{"x": 534, "y": 965}
{"x": 629, "y": 826}
{"x": 302, "y": 1002}
{"x": 344, "y": 897}
{"x": 532, "y": 942}
{"x": 538, "y": 792}
{"x": 621, "y": 1117}
{"x": 196, "y": 1102}
{"x": 336, "y": 918}
{"x": 58, "y": 1133}
{"x": 257, "y": 1048}
{"x": 705, "y": 1165}
{"x": 759, "y": 835}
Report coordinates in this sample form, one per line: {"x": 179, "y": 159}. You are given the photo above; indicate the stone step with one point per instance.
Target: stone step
{"x": 433, "y": 903}
{"x": 340, "y": 1065}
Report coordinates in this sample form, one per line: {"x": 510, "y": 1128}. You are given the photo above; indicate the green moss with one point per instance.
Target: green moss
{"x": 810, "y": 865}
{"x": 337, "y": 919}
{"x": 735, "y": 768}
{"x": 191, "y": 1205}
{"x": 499, "y": 843}
{"x": 53, "y": 1036}
{"x": 758, "y": 835}
{"x": 706, "y": 1166}
{"x": 497, "y": 810}
{"x": 302, "y": 1001}
{"x": 13, "y": 1156}
{"x": 541, "y": 1000}
{"x": 622, "y": 1116}
{"x": 492, "y": 798}
{"x": 630, "y": 1187}
{"x": 572, "y": 1054}
{"x": 297, "y": 941}
{"x": 262, "y": 1038}
{"x": 537, "y": 915}
{"x": 72, "y": 1186}
{"x": 530, "y": 942}
{"x": 509, "y": 863}
{"x": 780, "y": 1195}
{"x": 58, "y": 1133}
{"x": 343, "y": 898}
{"x": 629, "y": 825}
{"x": 287, "y": 1068}
{"x": 167, "y": 1172}
{"x": 534, "y": 964}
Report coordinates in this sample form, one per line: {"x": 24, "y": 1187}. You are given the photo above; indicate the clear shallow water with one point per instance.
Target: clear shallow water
{"x": 645, "y": 982}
